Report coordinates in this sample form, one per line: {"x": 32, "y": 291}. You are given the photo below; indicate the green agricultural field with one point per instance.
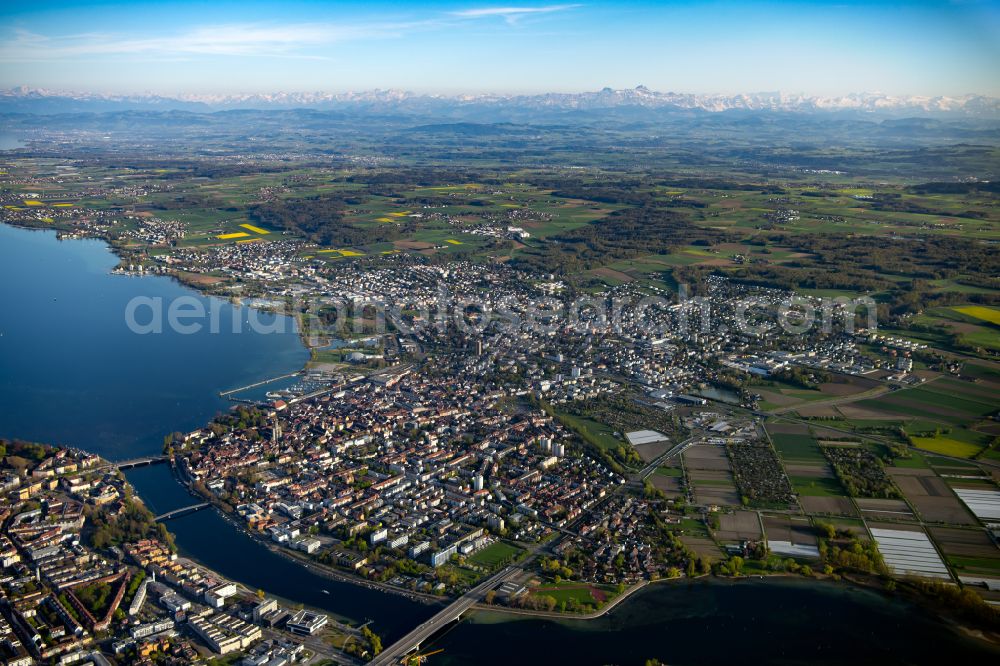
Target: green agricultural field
{"x": 943, "y": 464}
{"x": 975, "y": 565}
{"x": 720, "y": 483}
{"x": 954, "y": 404}
{"x": 692, "y": 527}
{"x": 797, "y": 447}
{"x": 817, "y": 487}
{"x": 943, "y": 397}
{"x": 981, "y": 371}
{"x": 976, "y": 325}
{"x": 914, "y": 461}
{"x": 940, "y": 416}
{"x": 954, "y": 285}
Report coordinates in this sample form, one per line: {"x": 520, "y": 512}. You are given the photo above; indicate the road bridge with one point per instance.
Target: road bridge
{"x": 183, "y": 511}
{"x": 396, "y": 652}
{"x": 134, "y": 462}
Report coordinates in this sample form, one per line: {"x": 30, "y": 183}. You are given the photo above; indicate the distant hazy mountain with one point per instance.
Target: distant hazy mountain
{"x": 40, "y": 101}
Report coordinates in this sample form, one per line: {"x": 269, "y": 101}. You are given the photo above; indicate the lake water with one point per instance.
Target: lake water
{"x": 10, "y": 141}
{"x": 720, "y": 394}
{"x": 786, "y": 621}
{"x": 72, "y": 372}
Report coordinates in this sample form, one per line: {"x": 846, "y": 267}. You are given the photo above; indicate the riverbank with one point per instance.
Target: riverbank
{"x": 183, "y": 480}
{"x": 224, "y": 547}
{"x": 622, "y": 604}
{"x": 329, "y": 572}
{"x": 872, "y": 583}
{"x": 219, "y": 543}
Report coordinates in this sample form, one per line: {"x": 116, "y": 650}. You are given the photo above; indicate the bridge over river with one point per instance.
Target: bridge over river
{"x": 183, "y": 511}
{"x": 134, "y": 462}
{"x": 396, "y": 652}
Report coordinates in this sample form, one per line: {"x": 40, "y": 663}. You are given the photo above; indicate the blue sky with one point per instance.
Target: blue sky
{"x": 940, "y": 47}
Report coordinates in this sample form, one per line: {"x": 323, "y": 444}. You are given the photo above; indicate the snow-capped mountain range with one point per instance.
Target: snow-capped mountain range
{"x": 35, "y": 100}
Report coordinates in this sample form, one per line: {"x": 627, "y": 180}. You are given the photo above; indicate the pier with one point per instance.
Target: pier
{"x": 225, "y": 394}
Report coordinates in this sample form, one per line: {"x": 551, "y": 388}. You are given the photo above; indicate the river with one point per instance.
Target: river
{"x": 777, "y": 620}
{"x": 71, "y": 372}
{"x": 216, "y": 542}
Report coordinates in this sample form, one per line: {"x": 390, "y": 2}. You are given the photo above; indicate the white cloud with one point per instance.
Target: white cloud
{"x": 510, "y": 14}
{"x": 221, "y": 40}
{"x": 292, "y": 40}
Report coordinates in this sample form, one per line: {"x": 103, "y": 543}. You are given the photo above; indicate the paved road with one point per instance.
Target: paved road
{"x": 882, "y": 389}
{"x": 322, "y": 653}
{"x": 673, "y": 451}
{"x": 395, "y": 653}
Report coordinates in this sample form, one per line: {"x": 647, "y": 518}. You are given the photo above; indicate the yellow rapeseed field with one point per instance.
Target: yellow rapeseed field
{"x": 947, "y": 446}
{"x": 343, "y": 253}
{"x": 981, "y": 312}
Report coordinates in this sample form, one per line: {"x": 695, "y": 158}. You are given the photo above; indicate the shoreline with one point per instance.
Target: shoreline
{"x": 906, "y": 594}
{"x": 909, "y": 596}
{"x": 115, "y": 250}
{"x": 555, "y": 615}
{"x": 846, "y": 584}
